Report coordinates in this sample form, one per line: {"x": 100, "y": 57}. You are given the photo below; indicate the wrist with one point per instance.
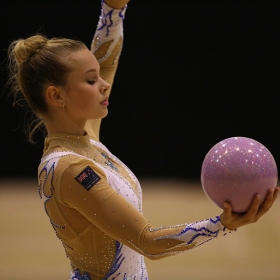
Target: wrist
{"x": 226, "y": 225}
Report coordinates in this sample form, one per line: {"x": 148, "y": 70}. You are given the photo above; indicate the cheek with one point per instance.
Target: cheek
{"x": 85, "y": 104}
{"x": 83, "y": 97}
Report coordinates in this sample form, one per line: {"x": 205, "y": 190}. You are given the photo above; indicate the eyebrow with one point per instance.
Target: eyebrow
{"x": 90, "y": 70}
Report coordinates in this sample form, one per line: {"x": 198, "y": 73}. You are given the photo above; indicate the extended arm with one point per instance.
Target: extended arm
{"x": 114, "y": 215}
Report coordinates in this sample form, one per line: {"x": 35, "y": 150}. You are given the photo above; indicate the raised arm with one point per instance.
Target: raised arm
{"x": 106, "y": 46}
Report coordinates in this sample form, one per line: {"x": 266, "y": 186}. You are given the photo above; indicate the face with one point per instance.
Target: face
{"x": 85, "y": 95}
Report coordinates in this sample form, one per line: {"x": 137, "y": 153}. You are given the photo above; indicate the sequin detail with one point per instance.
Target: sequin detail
{"x": 109, "y": 30}
{"x": 108, "y": 161}
{"x": 199, "y": 232}
{"x": 46, "y": 172}
{"x": 138, "y": 189}
{"x": 128, "y": 186}
{"x": 119, "y": 258}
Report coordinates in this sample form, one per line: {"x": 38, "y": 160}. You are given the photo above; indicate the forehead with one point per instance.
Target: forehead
{"x": 83, "y": 60}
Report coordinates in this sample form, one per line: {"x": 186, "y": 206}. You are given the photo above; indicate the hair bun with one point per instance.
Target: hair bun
{"x": 23, "y": 49}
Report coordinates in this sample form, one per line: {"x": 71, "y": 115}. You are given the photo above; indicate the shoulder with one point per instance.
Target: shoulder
{"x": 77, "y": 178}
{"x": 68, "y": 165}
{"x": 59, "y": 173}
{"x": 74, "y": 165}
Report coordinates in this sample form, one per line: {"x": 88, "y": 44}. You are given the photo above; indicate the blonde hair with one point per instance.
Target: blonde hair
{"x": 35, "y": 63}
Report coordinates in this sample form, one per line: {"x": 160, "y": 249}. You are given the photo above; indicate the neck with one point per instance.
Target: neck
{"x": 65, "y": 127}
{"x": 59, "y": 120}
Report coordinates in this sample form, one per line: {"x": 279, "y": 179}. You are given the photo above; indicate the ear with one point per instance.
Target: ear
{"x": 54, "y": 96}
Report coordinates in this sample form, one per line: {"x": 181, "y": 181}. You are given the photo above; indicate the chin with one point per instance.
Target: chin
{"x": 105, "y": 115}
{"x": 101, "y": 116}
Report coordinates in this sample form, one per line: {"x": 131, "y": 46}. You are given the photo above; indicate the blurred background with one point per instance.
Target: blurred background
{"x": 192, "y": 73}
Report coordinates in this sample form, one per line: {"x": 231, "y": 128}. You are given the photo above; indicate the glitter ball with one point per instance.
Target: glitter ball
{"x": 235, "y": 170}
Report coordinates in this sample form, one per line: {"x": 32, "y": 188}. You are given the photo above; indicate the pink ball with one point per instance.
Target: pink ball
{"x": 235, "y": 170}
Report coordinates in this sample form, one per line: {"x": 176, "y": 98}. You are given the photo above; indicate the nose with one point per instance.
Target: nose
{"x": 105, "y": 86}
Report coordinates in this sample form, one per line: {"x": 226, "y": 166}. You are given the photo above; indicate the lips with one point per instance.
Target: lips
{"x": 105, "y": 102}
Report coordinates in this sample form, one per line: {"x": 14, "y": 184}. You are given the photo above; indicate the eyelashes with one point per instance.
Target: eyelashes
{"x": 91, "y": 82}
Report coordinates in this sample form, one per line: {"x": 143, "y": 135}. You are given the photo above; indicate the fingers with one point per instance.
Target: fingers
{"x": 234, "y": 220}
{"x": 227, "y": 218}
{"x": 270, "y": 198}
{"x": 227, "y": 210}
{"x": 275, "y": 194}
{"x": 250, "y": 215}
{"x": 268, "y": 202}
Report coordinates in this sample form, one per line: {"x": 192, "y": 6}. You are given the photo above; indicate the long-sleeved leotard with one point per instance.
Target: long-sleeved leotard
{"x": 106, "y": 46}
{"x": 94, "y": 201}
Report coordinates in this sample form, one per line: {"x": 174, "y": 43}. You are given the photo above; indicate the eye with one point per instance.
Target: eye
{"x": 91, "y": 82}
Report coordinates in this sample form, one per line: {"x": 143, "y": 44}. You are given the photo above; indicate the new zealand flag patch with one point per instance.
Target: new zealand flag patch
{"x": 88, "y": 178}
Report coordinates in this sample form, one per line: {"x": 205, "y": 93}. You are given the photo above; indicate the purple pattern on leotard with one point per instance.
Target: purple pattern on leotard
{"x": 46, "y": 171}
{"x": 76, "y": 275}
{"x": 108, "y": 17}
{"x": 121, "y": 13}
{"x": 42, "y": 183}
{"x": 203, "y": 231}
{"x": 119, "y": 258}
{"x": 104, "y": 18}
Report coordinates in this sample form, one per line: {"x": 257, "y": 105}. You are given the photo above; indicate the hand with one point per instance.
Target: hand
{"x": 233, "y": 220}
{"x": 116, "y": 4}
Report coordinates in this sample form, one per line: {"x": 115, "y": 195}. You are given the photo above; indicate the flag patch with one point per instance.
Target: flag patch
{"x": 87, "y": 178}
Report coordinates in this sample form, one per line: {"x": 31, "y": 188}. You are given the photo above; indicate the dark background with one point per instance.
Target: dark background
{"x": 192, "y": 73}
